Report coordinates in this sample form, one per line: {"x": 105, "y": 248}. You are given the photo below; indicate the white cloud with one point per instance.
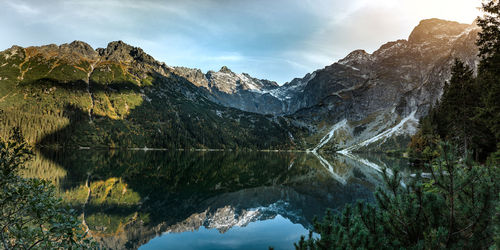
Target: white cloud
{"x": 278, "y": 39}
{"x": 23, "y": 8}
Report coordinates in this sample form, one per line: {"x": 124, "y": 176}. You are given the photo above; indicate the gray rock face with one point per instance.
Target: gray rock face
{"x": 239, "y": 91}
{"x": 435, "y": 29}
{"x": 78, "y": 47}
{"x": 122, "y": 52}
{"x": 142, "y": 62}
{"x": 400, "y": 78}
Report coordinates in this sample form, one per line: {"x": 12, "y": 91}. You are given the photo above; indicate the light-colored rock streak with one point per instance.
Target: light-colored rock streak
{"x": 371, "y": 165}
{"x": 322, "y": 143}
{"x": 87, "y": 201}
{"x": 384, "y": 135}
{"x": 330, "y": 134}
{"x": 91, "y": 110}
{"x": 365, "y": 162}
{"x": 329, "y": 168}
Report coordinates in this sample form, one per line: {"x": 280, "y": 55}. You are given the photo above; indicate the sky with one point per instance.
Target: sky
{"x": 270, "y": 39}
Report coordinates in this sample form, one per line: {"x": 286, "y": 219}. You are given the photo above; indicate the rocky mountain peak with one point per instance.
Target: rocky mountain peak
{"x": 79, "y": 47}
{"x": 15, "y": 49}
{"x": 72, "y": 53}
{"x": 356, "y": 57}
{"x": 120, "y": 51}
{"x": 436, "y": 29}
{"x": 225, "y": 69}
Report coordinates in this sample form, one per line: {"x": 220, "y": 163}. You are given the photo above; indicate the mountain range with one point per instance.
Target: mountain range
{"x": 74, "y": 96}
{"x": 119, "y": 96}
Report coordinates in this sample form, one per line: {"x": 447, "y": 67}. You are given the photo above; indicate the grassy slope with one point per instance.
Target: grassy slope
{"x": 47, "y": 97}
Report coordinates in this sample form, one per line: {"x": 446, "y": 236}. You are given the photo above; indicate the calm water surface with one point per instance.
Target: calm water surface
{"x": 205, "y": 200}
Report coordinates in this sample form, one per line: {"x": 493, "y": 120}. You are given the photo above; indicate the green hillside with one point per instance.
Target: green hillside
{"x": 74, "y": 96}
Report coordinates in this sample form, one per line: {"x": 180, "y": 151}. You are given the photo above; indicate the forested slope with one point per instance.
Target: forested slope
{"x": 74, "y": 96}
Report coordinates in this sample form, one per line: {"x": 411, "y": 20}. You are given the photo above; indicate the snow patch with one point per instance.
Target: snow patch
{"x": 349, "y": 66}
{"x": 285, "y": 92}
{"x": 249, "y": 83}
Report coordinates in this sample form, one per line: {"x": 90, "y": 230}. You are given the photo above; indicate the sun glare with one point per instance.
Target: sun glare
{"x": 464, "y": 11}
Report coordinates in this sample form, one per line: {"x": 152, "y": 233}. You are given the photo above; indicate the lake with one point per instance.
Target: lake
{"x": 205, "y": 200}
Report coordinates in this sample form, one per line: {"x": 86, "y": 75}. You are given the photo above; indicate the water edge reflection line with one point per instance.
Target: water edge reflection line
{"x": 89, "y": 193}
{"x": 329, "y": 168}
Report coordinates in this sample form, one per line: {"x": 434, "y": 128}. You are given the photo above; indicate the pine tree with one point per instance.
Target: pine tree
{"x": 489, "y": 68}
{"x": 469, "y": 111}
{"x": 489, "y": 37}
{"x": 497, "y": 224}
{"x": 453, "y": 118}
{"x": 451, "y": 210}
{"x": 424, "y": 142}
{"x": 457, "y": 109}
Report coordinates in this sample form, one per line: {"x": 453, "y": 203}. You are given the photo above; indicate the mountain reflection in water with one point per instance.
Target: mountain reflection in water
{"x": 136, "y": 196}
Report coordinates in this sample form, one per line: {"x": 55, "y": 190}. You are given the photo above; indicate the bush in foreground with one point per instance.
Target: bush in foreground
{"x": 31, "y": 215}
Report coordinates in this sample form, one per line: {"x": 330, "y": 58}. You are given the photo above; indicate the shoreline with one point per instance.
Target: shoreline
{"x": 177, "y": 149}
{"x": 342, "y": 152}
